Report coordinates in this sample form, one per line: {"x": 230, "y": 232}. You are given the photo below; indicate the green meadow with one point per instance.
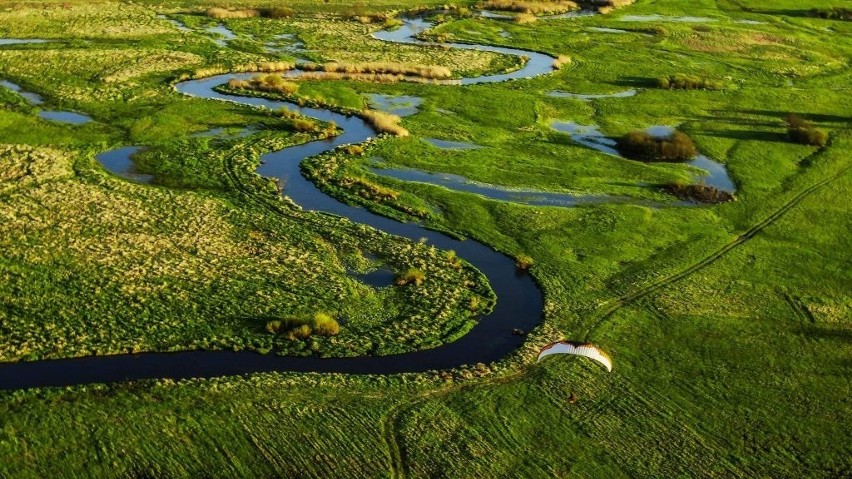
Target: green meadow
{"x": 729, "y": 325}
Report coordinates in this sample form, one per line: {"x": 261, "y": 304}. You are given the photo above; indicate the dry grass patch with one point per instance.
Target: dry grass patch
{"x": 561, "y": 61}
{"x": 424, "y": 71}
{"x": 532, "y": 7}
{"x": 384, "y": 122}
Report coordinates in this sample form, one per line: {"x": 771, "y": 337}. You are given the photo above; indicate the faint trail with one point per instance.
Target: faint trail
{"x": 609, "y": 308}
{"x": 389, "y": 436}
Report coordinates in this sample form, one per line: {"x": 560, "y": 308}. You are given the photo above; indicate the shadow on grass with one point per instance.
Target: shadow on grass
{"x": 780, "y": 115}
{"x": 636, "y": 82}
{"x": 747, "y": 135}
{"x": 780, "y": 12}
{"x": 831, "y": 334}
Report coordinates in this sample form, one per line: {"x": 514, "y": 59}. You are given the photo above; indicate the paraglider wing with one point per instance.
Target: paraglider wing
{"x": 579, "y": 349}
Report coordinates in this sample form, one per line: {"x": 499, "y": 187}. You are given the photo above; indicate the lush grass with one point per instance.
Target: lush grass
{"x": 737, "y": 369}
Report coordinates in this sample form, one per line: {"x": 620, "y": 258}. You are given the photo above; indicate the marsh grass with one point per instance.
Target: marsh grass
{"x": 561, "y": 61}
{"x": 524, "y": 18}
{"x": 385, "y": 122}
{"x": 389, "y": 68}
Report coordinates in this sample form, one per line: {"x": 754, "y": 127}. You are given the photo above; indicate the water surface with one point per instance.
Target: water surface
{"x": 400, "y": 105}
{"x": 65, "y": 117}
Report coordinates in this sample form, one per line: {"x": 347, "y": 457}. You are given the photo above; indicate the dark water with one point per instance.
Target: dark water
{"x": 519, "y": 302}
{"x": 379, "y": 278}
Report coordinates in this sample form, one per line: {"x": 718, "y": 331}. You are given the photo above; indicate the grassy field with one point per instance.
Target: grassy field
{"x": 729, "y": 326}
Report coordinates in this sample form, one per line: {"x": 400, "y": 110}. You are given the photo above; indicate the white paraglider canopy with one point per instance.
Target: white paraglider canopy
{"x": 579, "y": 349}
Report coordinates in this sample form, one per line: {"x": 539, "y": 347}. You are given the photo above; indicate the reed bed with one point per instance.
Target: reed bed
{"x": 384, "y": 122}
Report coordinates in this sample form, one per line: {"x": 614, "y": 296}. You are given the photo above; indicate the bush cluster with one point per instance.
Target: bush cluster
{"x": 320, "y": 324}
{"x": 681, "y": 81}
{"x": 411, "y": 276}
{"x": 523, "y": 262}
{"x": 803, "y": 132}
{"x": 641, "y": 145}
{"x": 699, "y": 193}
{"x": 389, "y": 68}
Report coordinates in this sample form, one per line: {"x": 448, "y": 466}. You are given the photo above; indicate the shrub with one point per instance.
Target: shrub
{"x": 300, "y": 332}
{"x": 641, "y": 145}
{"x": 680, "y": 81}
{"x": 699, "y": 193}
{"x": 320, "y": 323}
{"x": 411, "y": 276}
{"x": 803, "y": 132}
{"x": 795, "y": 121}
{"x": 273, "y": 326}
{"x": 304, "y": 125}
{"x": 324, "y": 325}
{"x": 808, "y": 136}
{"x": 354, "y": 150}
{"x": 523, "y": 262}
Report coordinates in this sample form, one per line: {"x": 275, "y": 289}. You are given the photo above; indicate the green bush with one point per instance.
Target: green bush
{"x": 699, "y": 193}
{"x": 411, "y": 276}
{"x": 807, "y": 136}
{"x": 803, "y": 132}
{"x": 641, "y": 145}
{"x": 324, "y": 325}
{"x": 523, "y": 261}
{"x": 688, "y": 82}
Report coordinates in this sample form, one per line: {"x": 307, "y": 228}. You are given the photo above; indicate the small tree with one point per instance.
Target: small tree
{"x": 411, "y": 276}
{"x": 524, "y": 262}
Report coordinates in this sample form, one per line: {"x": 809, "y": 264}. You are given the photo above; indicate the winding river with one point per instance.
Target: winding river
{"x": 519, "y": 303}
